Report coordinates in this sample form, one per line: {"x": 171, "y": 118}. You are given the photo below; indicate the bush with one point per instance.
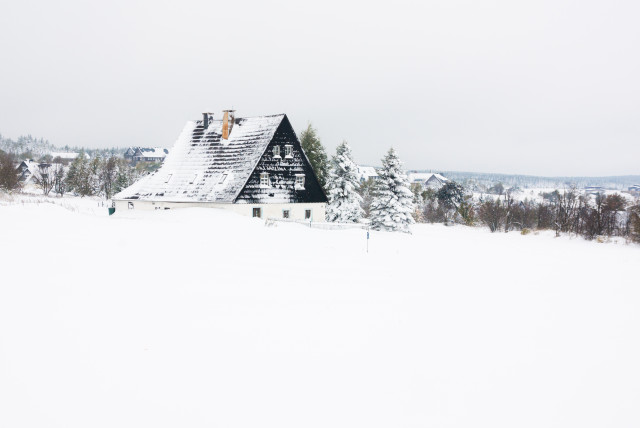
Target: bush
{"x": 492, "y": 213}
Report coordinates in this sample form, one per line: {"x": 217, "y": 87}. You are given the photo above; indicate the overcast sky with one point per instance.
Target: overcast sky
{"x": 537, "y": 87}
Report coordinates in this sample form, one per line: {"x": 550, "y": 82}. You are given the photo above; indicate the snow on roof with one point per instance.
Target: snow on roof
{"x": 366, "y": 172}
{"x": 153, "y": 152}
{"x": 425, "y": 176}
{"x": 194, "y": 169}
{"x": 64, "y": 155}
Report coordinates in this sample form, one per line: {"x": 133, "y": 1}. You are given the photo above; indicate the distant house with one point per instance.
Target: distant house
{"x": 253, "y": 166}
{"x": 146, "y": 154}
{"x": 128, "y": 154}
{"x": 428, "y": 180}
{"x": 593, "y": 190}
{"x": 366, "y": 172}
{"x": 66, "y": 157}
{"x": 27, "y": 170}
{"x": 635, "y": 188}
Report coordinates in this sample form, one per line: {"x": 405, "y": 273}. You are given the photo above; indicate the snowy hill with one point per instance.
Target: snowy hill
{"x": 201, "y": 318}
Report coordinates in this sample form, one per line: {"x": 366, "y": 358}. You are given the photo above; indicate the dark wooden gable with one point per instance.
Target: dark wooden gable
{"x": 282, "y": 173}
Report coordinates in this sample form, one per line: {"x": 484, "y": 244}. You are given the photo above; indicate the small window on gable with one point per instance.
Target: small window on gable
{"x": 307, "y": 214}
{"x": 276, "y": 151}
{"x": 285, "y": 213}
{"x": 130, "y": 205}
{"x": 257, "y": 212}
{"x": 299, "y": 181}
{"x": 264, "y": 179}
{"x": 288, "y": 151}
{"x": 223, "y": 177}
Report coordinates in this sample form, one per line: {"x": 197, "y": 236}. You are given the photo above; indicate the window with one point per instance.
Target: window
{"x": 276, "y": 151}
{"x": 299, "y": 181}
{"x": 288, "y": 151}
{"x": 264, "y": 179}
{"x": 257, "y": 212}
{"x": 285, "y": 213}
{"x": 130, "y": 205}
{"x": 307, "y": 214}
{"x": 222, "y": 178}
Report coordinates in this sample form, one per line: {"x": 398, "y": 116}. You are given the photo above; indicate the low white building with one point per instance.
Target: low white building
{"x": 253, "y": 166}
{"x": 66, "y": 157}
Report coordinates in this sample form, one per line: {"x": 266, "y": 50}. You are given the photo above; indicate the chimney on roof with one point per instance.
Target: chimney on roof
{"x": 206, "y": 119}
{"x": 227, "y": 123}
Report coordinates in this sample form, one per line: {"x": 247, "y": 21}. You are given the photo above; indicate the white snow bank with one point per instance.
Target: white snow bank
{"x": 200, "y": 318}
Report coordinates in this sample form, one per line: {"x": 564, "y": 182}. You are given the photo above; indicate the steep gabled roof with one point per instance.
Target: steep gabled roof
{"x": 424, "y": 177}
{"x": 202, "y": 167}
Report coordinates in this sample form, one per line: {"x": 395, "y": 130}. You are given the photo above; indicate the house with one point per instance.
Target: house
{"x": 66, "y": 157}
{"x": 146, "y": 154}
{"x": 128, "y": 154}
{"x": 27, "y": 171}
{"x": 593, "y": 190}
{"x": 365, "y": 173}
{"x": 253, "y": 165}
{"x": 635, "y": 188}
{"x": 428, "y": 180}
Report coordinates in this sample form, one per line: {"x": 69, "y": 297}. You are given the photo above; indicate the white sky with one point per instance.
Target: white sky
{"x": 537, "y": 87}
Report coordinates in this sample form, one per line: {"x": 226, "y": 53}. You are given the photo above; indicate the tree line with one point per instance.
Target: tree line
{"x": 391, "y": 203}
{"x": 99, "y": 176}
{"x": 566, "y": 211}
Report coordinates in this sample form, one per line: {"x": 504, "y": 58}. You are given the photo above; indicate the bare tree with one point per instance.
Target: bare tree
{"x": 492, "y": 213}
{"x": 44, "y": 179}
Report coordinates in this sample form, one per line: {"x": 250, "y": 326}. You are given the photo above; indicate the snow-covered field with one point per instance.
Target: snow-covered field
{"x": 201, "y": 318}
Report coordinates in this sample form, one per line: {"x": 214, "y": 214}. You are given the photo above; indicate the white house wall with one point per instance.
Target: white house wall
{"x": 296, "y": 210}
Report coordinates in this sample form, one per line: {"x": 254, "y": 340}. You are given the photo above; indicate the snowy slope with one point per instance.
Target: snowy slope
{"x": 200, "y": 318}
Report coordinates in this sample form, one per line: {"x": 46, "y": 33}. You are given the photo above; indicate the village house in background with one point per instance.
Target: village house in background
{"x": 593, "y": 190}
{"x": 428, "y": 180}
{"x": 365, "y": 173}
{"x": 635, "y": 189}
{"x": 145, "y": 154}
{"x": 27, "y": 171}
{"x": 253, "y": 165}
{"x": 66, "y": 158}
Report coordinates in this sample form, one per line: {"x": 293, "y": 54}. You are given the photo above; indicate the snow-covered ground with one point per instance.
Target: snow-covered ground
{"x": 201, "y": 318}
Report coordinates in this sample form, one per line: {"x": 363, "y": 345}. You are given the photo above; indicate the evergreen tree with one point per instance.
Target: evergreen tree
{"x": 392, "y": 205}
{"x": 450, "y": 197}
{"x": 80, "y": 178}
{"x": 344, "y": 200}
{"x": 8, "y": 172}
{"x": 316, "y": 153}
{"x": 366, "y": 190}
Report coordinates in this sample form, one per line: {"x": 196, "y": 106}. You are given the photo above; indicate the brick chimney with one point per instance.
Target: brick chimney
{"x": 227, "y": 123}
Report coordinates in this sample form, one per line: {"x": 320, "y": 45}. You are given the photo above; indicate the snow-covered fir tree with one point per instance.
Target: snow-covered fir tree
{"x": 344, "y": 200}
{"x": 393, "y": 200}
